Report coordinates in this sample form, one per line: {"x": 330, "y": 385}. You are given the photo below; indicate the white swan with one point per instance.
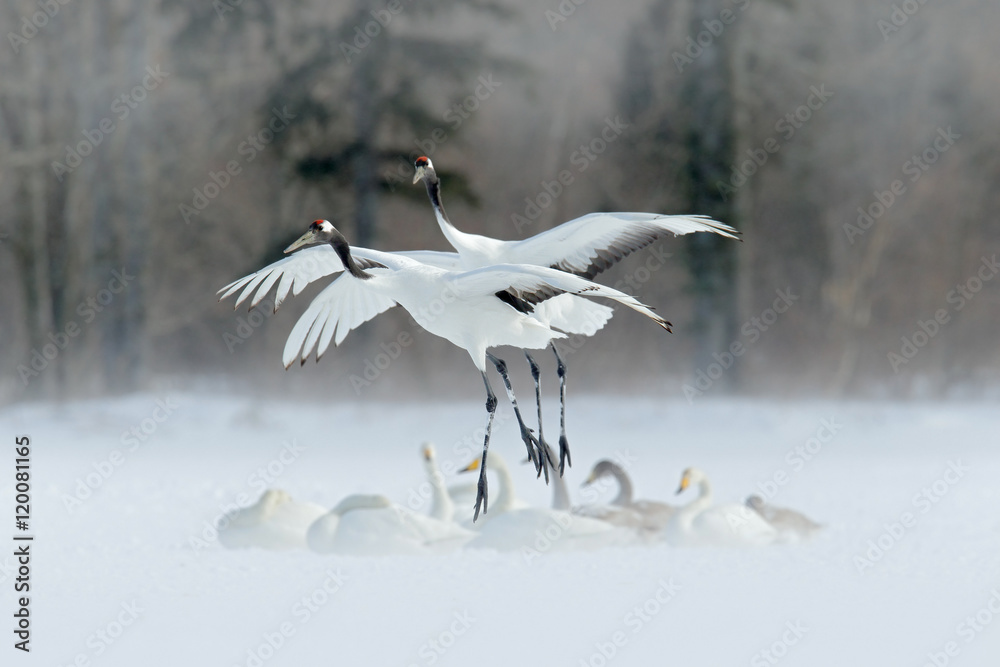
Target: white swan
{"x": 442, "y": 506}
{"x": 700, "y": 524}
{"x": 274, "y": 522}
{"x": 791, "y": 525}
{"x": 648, "y": 515}
{"x": 371, "y": 525}
{"x": 511, "y": 525}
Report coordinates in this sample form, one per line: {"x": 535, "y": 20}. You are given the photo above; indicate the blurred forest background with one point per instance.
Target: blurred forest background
{"x": 151, "y": 152}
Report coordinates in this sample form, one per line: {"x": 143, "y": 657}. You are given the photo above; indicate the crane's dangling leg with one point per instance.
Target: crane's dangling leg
{"x": 481, "y": 491}
{"x": 526, "y": 434}
{"x": 536, "y": 376}
{"x": 564, "y": 457}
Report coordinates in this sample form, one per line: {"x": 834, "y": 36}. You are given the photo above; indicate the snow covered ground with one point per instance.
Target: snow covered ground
{"x": 125, "y": 569}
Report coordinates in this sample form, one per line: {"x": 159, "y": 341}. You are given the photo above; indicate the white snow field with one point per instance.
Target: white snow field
{"x": 125, "y": 570}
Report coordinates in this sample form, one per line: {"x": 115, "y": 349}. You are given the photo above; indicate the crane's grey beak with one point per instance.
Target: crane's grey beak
{"x": 307, "y": 239}
{"x": 417, "y": 176}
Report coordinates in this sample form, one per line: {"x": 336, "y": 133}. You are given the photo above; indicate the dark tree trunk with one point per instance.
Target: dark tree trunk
{"x": 710, "y": 142}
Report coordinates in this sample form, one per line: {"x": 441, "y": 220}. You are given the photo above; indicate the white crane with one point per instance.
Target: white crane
{"x": 585, "y": 247}
{"x": 475, "y": 310}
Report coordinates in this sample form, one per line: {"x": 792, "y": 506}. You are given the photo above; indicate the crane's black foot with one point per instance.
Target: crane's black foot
{"x": 531, "y": 443}
{"x": 564, "y": 458}
{"x": 482, "y": 500}
{"x": 550, "y": 462}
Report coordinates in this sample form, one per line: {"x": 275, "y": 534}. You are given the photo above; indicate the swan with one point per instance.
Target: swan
{"x": 585, "y": 246}
{"x": 275, "y": 521}
{"x": 371, "y": 525}
{"x": 699, "y": 523}
{"x": 653, "y": 515}
{"x": 442, "y": 506}
{"x": 532, "y": 529}
{"x": 791, "y": 525}
{"x": 475, "y": 310}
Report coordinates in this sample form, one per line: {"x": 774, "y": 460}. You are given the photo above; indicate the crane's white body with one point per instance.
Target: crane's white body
{"x": 583, "y": 246}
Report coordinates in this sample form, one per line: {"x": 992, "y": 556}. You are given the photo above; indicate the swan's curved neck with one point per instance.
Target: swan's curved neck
{"x": 343, "y": 250}
{"x": 442, "y": 507}
{"x": 505, "y": 496}
{"x": 560, "y": 494}
{"x": 456, "y": 238}
{"x": 625, "y": 491}
{"x": 704, "y": 500}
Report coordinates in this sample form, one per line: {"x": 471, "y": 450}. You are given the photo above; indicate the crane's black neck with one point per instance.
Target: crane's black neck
{"x": 434, "y": 192}
{"x": 343, "y": 250}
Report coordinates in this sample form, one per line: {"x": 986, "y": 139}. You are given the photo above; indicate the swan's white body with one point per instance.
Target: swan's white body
{"x": 274, "y": 522}
{"x": 512, "y": 525}
{"x": 699, "y": 523}
{"x": 371, "y": 525}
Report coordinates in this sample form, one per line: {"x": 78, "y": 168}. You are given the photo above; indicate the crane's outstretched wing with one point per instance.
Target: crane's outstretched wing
{"x": 344, "y": 305}
{"x": 527, "y": 285}
{"x": 590, "y": 244}
{"x": 310, "y": 264}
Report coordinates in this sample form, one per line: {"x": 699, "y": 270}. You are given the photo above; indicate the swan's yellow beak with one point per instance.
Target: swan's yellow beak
{"x": 417, "y": 176}
{"x": 590, "y": 479}
{"x": 685, "y": 481}
{"x": 428, "y": 453}
{"x": 472, "y": 467}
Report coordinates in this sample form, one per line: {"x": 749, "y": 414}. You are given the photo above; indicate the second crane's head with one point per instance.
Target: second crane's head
{"x": 424, "y": 170}
{"x": 320, "y": 232}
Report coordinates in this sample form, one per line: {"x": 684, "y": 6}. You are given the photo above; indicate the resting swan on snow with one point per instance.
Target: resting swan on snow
{"x": 791, "y": 525}
{"x": 371, "y": 525}
{"x": 700, "y": 524}
{"x": 648, "y": 515}
{"x": 511, "y": 525}
{"x": 274, "y": 522}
